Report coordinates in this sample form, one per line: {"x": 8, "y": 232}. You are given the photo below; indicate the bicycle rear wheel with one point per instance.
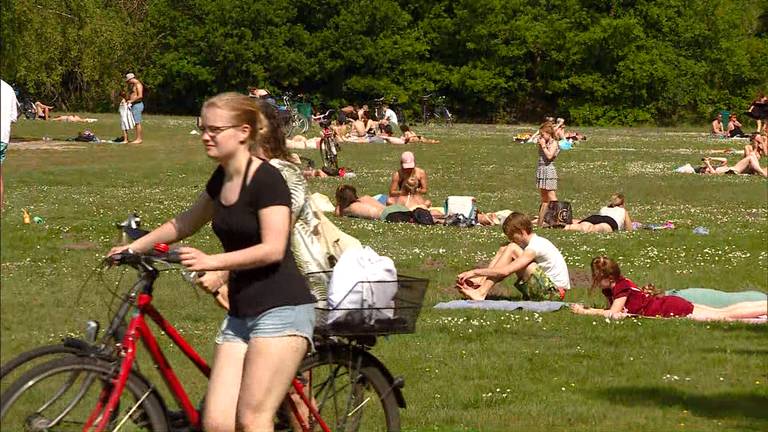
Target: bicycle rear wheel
{"x": 62, "y": 395}
{"x": 328, "y": 149}
{"x": 350, "y": 393}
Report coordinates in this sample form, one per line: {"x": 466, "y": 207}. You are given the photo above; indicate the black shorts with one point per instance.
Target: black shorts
{"x": 598, "y": 219}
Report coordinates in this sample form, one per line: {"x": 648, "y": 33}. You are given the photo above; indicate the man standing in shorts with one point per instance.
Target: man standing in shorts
{"x": 136, "y": 101}
{"x": 8, "y": 114}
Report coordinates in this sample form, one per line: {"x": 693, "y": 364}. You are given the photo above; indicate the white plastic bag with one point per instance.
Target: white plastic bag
{"x": 362, "y": 279}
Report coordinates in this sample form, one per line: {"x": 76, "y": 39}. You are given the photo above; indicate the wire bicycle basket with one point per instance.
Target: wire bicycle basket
{"x": 397, "y": 315}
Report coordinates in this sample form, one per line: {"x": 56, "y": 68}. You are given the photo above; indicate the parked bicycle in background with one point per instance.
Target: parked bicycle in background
{"x": 291, "y": 120}
{"x": 435, "y": 110}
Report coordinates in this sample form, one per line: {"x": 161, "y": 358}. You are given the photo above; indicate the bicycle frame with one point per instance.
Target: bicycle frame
{"x": 138, "y": 329}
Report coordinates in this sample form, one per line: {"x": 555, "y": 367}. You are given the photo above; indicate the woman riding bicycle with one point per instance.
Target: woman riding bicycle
{"x": 271, "y": 318}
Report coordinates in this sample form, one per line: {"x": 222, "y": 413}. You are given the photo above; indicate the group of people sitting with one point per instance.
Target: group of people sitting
{"x": 732, "y": 131}
{"x": 356, "y": 125}
{"x": 758, "y": 111}
{"x": 542, "y": 273}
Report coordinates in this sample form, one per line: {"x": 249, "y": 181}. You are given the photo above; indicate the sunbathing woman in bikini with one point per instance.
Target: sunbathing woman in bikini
{"x": 613, "y": 217}
{"x": 748, "y": 165}
{"x": 409, "y": 136}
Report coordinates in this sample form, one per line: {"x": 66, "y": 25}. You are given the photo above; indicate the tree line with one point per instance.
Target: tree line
{"x": 601, "y": 62}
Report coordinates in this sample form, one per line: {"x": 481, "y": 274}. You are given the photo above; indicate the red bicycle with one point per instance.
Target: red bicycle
{"x": 339, "y": 387}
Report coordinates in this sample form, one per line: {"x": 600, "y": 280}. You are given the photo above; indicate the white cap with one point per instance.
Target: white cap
{"x": 130, "y": 76}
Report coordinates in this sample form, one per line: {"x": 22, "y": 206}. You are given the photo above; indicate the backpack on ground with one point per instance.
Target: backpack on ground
{"x": 558, "y": 214}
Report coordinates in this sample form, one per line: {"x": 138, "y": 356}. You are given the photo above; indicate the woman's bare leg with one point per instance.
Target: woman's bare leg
{"x": 220, "y": 408}
{"x": 543, "y": 206}
{"x": 270, "y": 365}
{"x": 754, "y": 163}
{"x": 736, "y": 311}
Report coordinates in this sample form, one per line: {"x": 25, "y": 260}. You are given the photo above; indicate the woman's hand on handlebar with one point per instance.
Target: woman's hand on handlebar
{"x": 118, "y": 249}
{"x": 196, "y": 260}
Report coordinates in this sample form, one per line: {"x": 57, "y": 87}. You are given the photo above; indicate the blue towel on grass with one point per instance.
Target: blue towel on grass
{"x": 533, "y": 306}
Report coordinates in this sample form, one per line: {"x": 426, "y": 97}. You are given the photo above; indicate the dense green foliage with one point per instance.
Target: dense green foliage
{"x": 594, "y": 62}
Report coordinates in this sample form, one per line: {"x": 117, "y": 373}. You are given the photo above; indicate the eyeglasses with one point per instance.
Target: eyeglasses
{"x": 212, "y": 130}
{"x": 215, "y": 130}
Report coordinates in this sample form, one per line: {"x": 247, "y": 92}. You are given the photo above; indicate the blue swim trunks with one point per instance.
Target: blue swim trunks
{"x": 136, "y": 109}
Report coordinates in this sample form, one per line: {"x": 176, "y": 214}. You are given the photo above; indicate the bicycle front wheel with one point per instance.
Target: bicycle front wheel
{"x": 302, "y": 124}
{"x": 350, "y": 393}
{"x": 64, "y": 395}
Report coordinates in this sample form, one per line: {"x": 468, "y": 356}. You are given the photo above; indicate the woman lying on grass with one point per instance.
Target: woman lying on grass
{"x": 349, "y": 204}
{"x": 613, "y": 217}
{"x": 624, "y": 298}
{"x": 750, "y": 164}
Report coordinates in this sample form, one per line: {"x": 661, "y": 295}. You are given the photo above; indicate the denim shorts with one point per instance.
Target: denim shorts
{"x": 136, "y": 110}
{"x": 280, "y": 321}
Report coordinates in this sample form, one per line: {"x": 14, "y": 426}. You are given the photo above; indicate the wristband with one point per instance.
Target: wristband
{"x": 215, "y": 293}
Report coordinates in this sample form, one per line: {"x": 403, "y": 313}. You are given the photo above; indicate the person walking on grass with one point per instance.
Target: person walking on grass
{"x": 540, "y": 267}
{"x": 136, "y": 101}
{"x": 8, "y": 114}
{"x": 546, "y": 173}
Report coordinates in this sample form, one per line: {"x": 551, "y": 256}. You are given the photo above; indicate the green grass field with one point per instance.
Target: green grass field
{"x": 464, "y": 370}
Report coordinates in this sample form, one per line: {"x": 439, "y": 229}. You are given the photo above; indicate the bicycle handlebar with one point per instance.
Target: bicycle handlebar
{"x": 135, "y": 259}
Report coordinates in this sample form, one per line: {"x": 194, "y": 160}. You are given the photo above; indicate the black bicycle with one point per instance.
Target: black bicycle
{"x": 290, "y": 118}
{"x": 435, "y": 110}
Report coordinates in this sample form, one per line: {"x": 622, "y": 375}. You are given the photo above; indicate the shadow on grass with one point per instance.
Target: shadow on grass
{"x": 717, "y": 406}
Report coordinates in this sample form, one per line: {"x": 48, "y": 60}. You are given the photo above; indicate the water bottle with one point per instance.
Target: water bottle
{"x": 191, "y": 276}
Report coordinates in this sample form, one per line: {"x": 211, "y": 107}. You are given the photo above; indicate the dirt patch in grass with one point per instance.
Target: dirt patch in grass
{"x": 45, "y": 145}
{"x": 580, "y": 278}
{"x": 83, "y": 245}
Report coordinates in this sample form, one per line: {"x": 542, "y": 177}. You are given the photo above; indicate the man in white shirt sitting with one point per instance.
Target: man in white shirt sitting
{"x": 540, "y": 267}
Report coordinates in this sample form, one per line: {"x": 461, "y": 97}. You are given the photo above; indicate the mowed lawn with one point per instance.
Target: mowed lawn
{"x": 464, "y": 370}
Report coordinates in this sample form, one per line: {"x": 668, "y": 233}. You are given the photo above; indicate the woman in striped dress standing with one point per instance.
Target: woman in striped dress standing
{"x": 546, "y": 174}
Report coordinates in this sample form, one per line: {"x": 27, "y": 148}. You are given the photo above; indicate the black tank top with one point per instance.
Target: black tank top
{"x": 254, "y": 291}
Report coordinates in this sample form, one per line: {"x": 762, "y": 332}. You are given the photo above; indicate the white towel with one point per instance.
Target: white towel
{"x": 126, "y": 116}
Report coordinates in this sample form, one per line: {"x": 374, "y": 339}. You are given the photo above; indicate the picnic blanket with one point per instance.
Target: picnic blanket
{"x": 533, "y": 306}
{"x": 717, "y": 299}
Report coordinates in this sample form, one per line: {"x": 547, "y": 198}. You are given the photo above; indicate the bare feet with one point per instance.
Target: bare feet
{"x": 469, "y": 292}
{"x": 135, "y": 142}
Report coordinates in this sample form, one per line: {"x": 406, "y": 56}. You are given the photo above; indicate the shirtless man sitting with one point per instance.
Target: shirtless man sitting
{"x": 349, "y": 204}
{"x": 409, "y": 184}
{"x": 717, "y": 126}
